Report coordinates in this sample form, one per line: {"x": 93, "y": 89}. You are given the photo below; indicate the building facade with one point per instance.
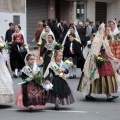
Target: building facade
{"x": 97, "y": 10}
{"x": 28, "y": 13}
{"x": 12, "y": 11}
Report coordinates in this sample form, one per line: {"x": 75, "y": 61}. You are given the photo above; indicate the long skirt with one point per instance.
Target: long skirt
{"x": 106, "y": 84}
{"x": 6, "y": 84}
{"x": 62, "y": 91}
{"x": 31, "y": 95}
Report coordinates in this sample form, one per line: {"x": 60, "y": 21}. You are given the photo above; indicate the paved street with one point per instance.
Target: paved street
{"x": 80, "y": 110}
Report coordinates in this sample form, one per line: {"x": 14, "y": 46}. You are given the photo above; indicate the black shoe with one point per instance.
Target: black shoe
{"x": 15, "y": 76}
{"x": 113, "y": 98}
{"x": 56, "y": 107}
{"x": 70, "y": 77}
{"x": 30, "y": 109}
{"x": 90, "y": 98}
{"x": 74, "y": 76}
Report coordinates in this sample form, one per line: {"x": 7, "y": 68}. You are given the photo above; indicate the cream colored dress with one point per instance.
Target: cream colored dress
{"x": 6, "y": 89}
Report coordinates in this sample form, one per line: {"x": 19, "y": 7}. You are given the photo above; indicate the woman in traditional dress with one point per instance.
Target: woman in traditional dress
{"x": 55, "y": 73}
{"x": 99, "y": 79}
{"x": 18, "y": 33}
{"x": 44, "y": 38}
{"x": 47, "y": 51}
{"x": 6, "y": 53}
{"x": 30, "y": 95}
{"x": 72, "y": 49}
{"x": 115, "y": 40}
{"x": 6, "y": 89}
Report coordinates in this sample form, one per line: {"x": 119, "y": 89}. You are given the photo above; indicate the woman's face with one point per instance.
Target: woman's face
{"x": 107, "y": 31}
{"x": 47, "y": 28}
{"x": 50, "y": 39}
{"x": 31, "y": 60}
{"x": 17, "y": 29}
{"x": 59, "y": 57}
{"x": 72, "y": 30}
{"x": 112, "y": 25}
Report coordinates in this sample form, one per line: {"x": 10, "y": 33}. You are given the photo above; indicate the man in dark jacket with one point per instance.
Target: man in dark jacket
{"x": 81, "y": 32}
{"x": 9, "y": 32}
{"x": 65, "y": 30}
{"x": 55, "y": 30}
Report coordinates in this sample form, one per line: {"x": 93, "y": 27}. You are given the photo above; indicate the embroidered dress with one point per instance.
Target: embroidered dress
{"x": 30, "y": 94}
{"x": 106, "y": 84}
{"x": 61, "y": 89}
{"x": 115, "y": 44}
{"x": 6, "y": 89}
{"x": 115, "y": 48}
{"x": 104, "y": 80}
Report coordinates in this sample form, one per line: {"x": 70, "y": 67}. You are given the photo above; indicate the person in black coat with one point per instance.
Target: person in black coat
{"x": 9, "y": 32}
{"x": 17, "y": 56}
{"x": 72, "y": 49}
{"x": 82, "y": 32}
{"x": 64, "y": 32}
{"x": 55, "y": 30}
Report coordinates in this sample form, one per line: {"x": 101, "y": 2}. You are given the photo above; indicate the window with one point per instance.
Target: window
{"x": 16, "y": 19}
{"x": 81, "y": 11}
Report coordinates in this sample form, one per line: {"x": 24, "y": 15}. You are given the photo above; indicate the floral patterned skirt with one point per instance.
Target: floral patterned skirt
{"x": 31, "y": 95}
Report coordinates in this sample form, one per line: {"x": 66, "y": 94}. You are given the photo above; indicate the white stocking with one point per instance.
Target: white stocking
{"x": 74, "y": 69}
{"x": 57, "y": 101}
{"x": 71, "y": 71}
{"x": 16, "y": 72}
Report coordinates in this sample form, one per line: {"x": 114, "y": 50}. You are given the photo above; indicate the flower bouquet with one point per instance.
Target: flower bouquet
{"x": 55, "y": 46}
{"x": 67, "y": 63}
{"x": 23, "y": 48}
{"x": 39, "y": 43}
{"x": 39, "y": 79}
{"x": 1, "y": 46}
{"x": 100, "y": 61}
{"x": 58, "y": 46}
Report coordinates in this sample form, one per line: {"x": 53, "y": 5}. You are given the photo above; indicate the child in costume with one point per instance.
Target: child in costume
{"x": 55, "y": 73}
{"x": 31, "y": 94}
